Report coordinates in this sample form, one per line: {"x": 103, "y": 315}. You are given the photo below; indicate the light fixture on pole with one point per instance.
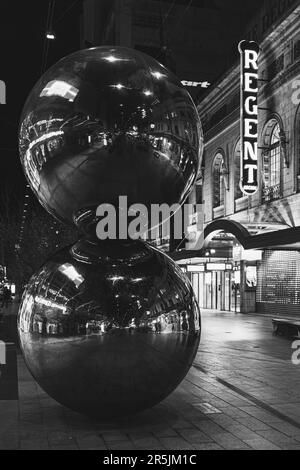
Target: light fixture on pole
{"x": 50, "y": 35}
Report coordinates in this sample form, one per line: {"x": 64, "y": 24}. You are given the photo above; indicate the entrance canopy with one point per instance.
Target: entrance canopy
{"x": 262, "y": 236}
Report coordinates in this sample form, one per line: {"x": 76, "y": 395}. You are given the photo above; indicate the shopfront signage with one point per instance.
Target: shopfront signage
{"x": 196, "y": 268}
{"x": 218, "y": 267}
{"x": 249, "y": 52}
{"x": 190, "y": 83}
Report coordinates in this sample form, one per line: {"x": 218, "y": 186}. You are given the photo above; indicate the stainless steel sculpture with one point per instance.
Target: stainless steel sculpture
{"x": 109, "y": 327}
{"x": 105, "y": 122}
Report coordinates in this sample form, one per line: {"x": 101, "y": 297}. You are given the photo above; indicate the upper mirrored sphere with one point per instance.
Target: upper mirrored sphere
{"x": 108, "y": 122}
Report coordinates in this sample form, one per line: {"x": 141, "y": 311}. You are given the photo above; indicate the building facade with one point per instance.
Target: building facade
{"x": 251, "y": 256}
{"x": 250, "y": 260}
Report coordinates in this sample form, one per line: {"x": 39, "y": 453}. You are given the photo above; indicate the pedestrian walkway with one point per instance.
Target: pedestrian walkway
{"x": 243, "y": 392}
{"x": 12, "y": 308}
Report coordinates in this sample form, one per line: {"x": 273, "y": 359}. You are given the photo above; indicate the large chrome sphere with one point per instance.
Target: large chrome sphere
{"x": 108, "y": 122}
{"x": 109, "y": 329}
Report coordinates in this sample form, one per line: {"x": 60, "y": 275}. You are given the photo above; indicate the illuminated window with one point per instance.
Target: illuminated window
{"x": 275, "y": 157}
{"x": 218, "y": 181}
{"x": 297, "y": 148}
{"x": 272, "y": 162}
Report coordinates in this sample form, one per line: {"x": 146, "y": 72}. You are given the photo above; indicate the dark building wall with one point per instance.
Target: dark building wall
{"x": 196, "y": 39}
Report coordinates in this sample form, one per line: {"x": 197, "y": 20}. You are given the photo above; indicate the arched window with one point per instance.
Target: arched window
{"x": 272, "y": 162}
{"x": 237, "y": 171}
{"x": 275, "y": 159}
{"x": 218, "y": 181}
{"x": 297, "y": 148}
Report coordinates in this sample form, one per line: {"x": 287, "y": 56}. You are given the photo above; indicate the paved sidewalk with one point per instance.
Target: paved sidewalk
{"x": 243, "y": 392}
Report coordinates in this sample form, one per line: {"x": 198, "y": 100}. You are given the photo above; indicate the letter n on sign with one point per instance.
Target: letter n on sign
{"x": 249, "y": 116}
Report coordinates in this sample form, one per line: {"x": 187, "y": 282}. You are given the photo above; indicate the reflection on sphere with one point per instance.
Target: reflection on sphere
{"x": 109, "y": 329}
{"x": 106, "y": 122}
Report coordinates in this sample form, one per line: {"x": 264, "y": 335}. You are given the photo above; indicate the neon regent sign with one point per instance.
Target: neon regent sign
{"x": 249, "y": 117}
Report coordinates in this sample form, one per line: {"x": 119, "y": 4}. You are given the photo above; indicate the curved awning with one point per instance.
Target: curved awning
{"x": 275, "y": 237}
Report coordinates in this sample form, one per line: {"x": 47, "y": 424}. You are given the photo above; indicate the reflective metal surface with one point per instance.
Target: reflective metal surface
{"x": 106, "y": 122}
{"x": 109, "y": 328}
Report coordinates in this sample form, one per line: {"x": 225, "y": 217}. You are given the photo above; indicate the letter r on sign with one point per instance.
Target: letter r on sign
{"x": 251, "y": 58}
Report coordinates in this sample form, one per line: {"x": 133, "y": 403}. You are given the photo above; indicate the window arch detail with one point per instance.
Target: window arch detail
{"x": 219, "y": 172}
{"x": 272, "y": 161}
{"x": 297, "y": 148}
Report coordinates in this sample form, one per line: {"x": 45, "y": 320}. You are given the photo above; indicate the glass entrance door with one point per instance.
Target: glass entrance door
{"x": 217, "y": 290}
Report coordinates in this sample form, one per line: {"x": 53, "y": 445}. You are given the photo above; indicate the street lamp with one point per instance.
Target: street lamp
{"x": 50, "y": 35}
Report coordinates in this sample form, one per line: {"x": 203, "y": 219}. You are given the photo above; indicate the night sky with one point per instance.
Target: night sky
{"x": 22, "y": 35}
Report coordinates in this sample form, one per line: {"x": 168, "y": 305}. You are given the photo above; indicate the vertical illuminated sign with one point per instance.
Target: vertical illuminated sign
{"x": 249, "y": 117}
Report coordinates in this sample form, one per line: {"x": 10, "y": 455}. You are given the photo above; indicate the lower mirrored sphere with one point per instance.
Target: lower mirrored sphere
{"x": 109, "y": 328}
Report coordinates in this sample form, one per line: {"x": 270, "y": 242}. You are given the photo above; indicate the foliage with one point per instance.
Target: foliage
{"x": 42, "y": 236}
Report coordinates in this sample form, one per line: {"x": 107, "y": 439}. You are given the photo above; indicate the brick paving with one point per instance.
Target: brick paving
{"x": 243, "y": 392}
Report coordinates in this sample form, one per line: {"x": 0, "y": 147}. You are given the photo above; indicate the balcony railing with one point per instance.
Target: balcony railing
{"x": 241, "y": 204}
{"x": 271, "y": 193}
{"x": 219, "y": 212}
